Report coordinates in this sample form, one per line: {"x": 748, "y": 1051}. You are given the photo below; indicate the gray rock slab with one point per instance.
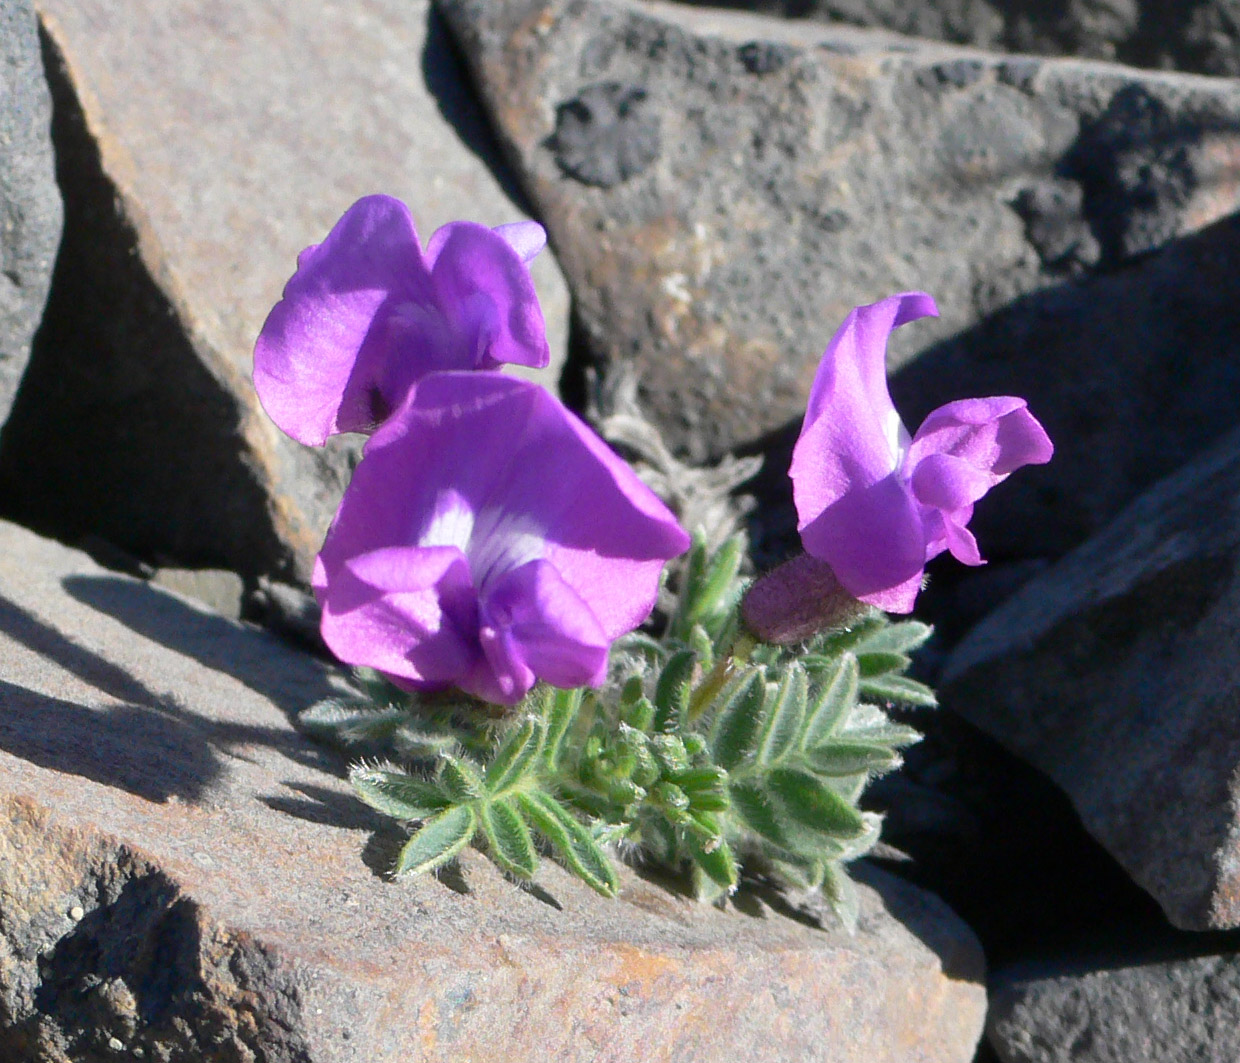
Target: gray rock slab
{"x": 219, "y": 589}
{"x": 181, "y": 873}
{"x": 1116, "y": 1010}
{"x": 723, "y": 188}
{"x": 1201, "y": 37}
{"x": 201, "y": 148}
{"x": 30, "y": 207}
{"x": 1115, "y": 673}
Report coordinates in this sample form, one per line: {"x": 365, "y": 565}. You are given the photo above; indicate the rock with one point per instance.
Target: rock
{"x": 181, "y": 873}
{"x": 30, "y": 206}
{"x": 723, "y": 188}
{"x": 1202, "y": 37}
{"x": 1115, "y": 672}
{"x": 1119, "y": 1008}
{"x": 220, "y": 590}
{"x": 200, "y": 149}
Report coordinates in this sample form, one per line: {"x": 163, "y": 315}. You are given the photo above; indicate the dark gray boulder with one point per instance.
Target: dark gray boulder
{"x": 1201, "y": 36}
{"x": 1116, "y": 673}
{"x": 1118, "y": 1007}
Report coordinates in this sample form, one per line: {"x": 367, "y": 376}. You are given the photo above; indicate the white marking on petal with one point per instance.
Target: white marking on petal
{"x": 452, "y": 523}
{"x": 493, "y": 541}
{"x": 898, "y": 439}
{"x": 501, "y": 542}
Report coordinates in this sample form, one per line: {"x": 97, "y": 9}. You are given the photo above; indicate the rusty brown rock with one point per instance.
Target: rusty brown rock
{"x": 724, "y": 188}
{"x": 182, "y": 873}
{"x": 1115, "y": 673}
{"x": 200, "y": 147}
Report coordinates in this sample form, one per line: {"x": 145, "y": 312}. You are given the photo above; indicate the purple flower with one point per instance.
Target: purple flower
{"x": 876, "y": 505}
{"x": 488, "y": 539}
{"x": 368, "y": 312}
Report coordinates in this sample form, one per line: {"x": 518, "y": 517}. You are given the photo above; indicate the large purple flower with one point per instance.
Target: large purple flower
{"x": 368, "y": 312}
{"x": 876, "y": 505}
{"x": 488, "y": 539}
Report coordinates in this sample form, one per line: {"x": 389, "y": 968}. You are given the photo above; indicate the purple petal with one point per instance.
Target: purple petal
{"x": 411, "y": 613}
{"x": 959, "y": 453}
{"x": 998, "y": 435}
{"x": 553, "y": 632}
{"x": 855, "y": 511}
{"x": 564, "y": 544}
{"x": 483, "y": 283}
{"x": 950, "y": 483}
{"x": 326, "y": 335}
{"x": 872, "y": 538}
{"x": 526, "y": 238}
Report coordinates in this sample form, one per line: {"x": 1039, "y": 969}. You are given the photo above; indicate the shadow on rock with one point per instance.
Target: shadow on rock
{"x": 113, "y": 746}
{"x": 256, "y": 659}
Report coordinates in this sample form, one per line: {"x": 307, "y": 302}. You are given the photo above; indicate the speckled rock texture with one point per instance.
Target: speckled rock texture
{"x": 1202, "y": 36}
{"x": 1119, "y": 1009}
{"x": 1115, "y": 673}
{"x": 201, "y": 146}
{"x": 183, "y": 877}
{"x": 723, "y": 188}
{"x": 30, "y": 208}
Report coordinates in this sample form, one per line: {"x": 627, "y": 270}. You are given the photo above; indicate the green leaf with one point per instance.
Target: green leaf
{"x": 515, "y": 756}
{"x": 709, "y": 594}
{"x": 784, "y": 717}
{"x": 717, "y": 864}
{"x": 673, "y": 688}
{"x": 396, "y": 794}
{"x": 839, "y": 757}
{"x": 799, "y": 874}
{"x": 755, "y": 811}
{"x": 903, "y": 637}
{"x": 639, "y": 715}
{"x": 438, "y": 840}
{"x": 639, "y": 644}
{"x": 571, "y": 841}
{"x": 895, "y": 735}
{"x": 811, "y": 804}
{"x": 560, "y": 708}
{"x": 412, "y": 741}
{"x": 350, "y": 721}
{"x": 899, "y": 689}
{"x": 831, "y": 701}
{"x": 707, "y": 788}
{"x": 669, "y": 796}
{"x": 831, "y": 643}
{"x": 508, "y": 838}
{"x": 459, "y": 778}
{"x": 735, "y": 734}
{"x": 702, "y": 646}
{"x": 670, "y": 753}
{"x": 881, "y": 663}
{"x": 658, "y": 839}
{"x": 840, "y": 890}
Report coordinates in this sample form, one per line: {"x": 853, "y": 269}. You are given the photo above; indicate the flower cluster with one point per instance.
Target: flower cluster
{"x": 488, "y": 537}
{"x": 490, "y": 542}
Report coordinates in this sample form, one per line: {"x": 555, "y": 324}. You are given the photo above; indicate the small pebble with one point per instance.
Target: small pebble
{"x": 115, "y": 1044}
{"x": 76, "y": 912}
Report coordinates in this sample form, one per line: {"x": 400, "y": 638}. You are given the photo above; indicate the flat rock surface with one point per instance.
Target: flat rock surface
{"x": 722, "y": 188}
{"x": 30, "y": 209}
{"x": 1115, "y": 672}
{"x": 1114, "y": 1009}
{"x": 182, "y": 873}
{"x": 201, "y": 146}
